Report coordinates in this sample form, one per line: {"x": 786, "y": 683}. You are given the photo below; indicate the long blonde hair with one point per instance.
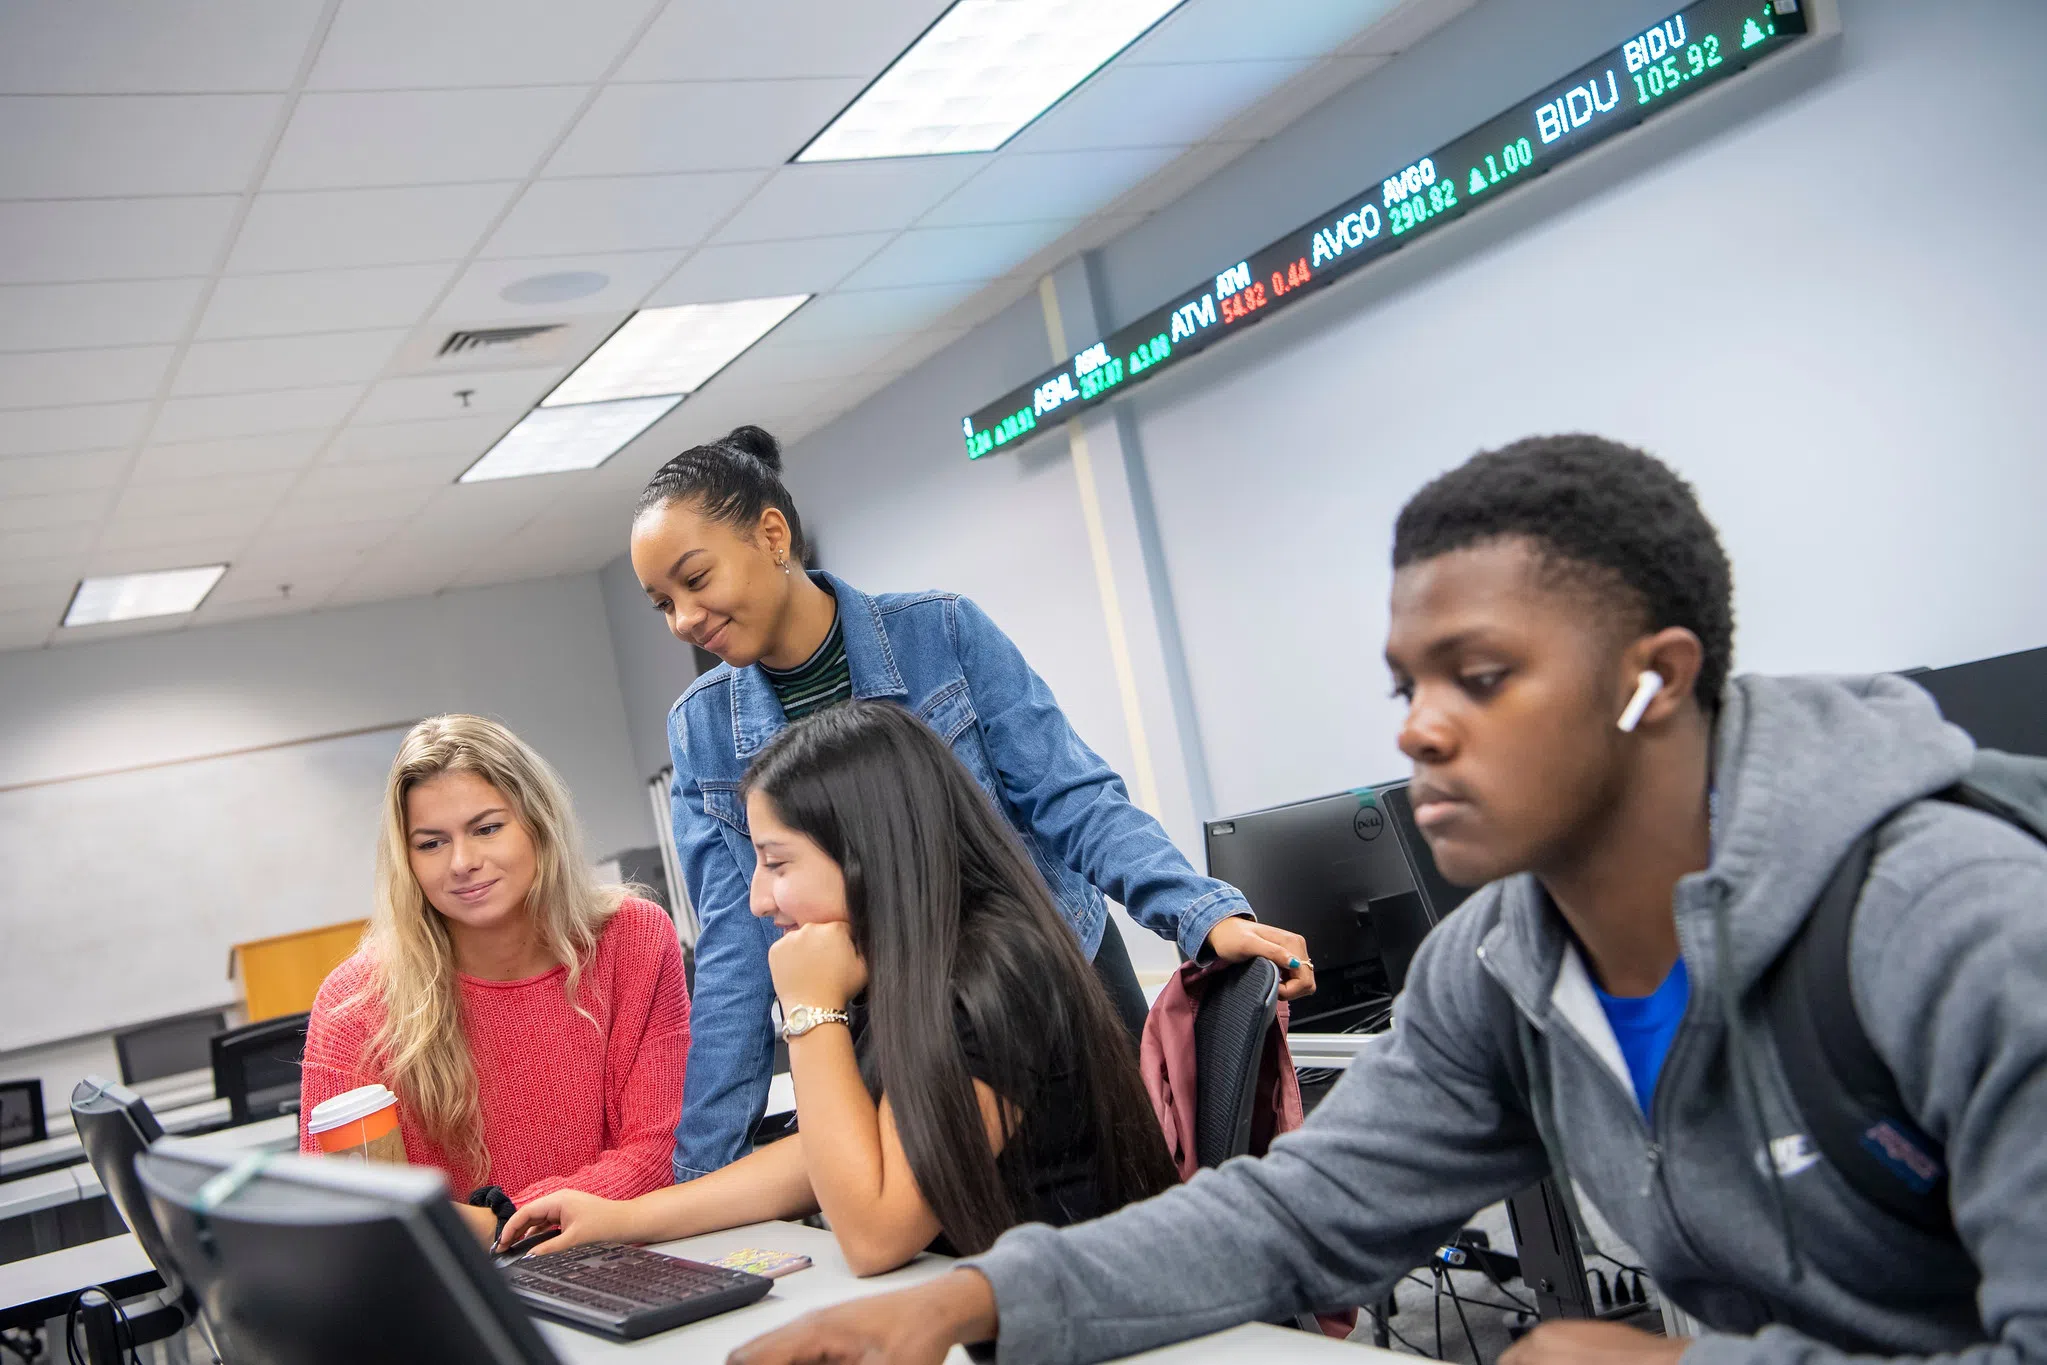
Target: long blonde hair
{"x": 421, "y": 1044}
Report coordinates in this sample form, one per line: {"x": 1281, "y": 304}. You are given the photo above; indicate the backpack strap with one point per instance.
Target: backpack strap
{"x": 1844, "y": 1092}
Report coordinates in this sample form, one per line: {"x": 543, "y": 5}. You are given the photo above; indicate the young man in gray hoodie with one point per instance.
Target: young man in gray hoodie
{"x": 1593, "y": 1012}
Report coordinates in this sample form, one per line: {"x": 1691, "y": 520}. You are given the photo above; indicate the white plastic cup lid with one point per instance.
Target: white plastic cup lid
{"x": 349, "y": 1106}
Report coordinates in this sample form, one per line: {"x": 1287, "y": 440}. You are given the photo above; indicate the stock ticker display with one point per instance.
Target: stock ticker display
{"x": 1650, "y": 71}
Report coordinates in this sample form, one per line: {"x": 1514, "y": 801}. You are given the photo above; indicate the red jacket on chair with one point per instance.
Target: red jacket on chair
{"x": 1166, "y": 1058}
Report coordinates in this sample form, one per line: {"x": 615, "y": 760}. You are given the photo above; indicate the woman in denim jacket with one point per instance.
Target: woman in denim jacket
{"x": 718, "y": 546}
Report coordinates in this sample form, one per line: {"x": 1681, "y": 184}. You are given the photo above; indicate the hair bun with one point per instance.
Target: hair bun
{"x": 752, "y": 441}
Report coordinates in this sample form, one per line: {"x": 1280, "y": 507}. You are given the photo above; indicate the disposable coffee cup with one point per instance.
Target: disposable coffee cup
{"x": 360, "y": 1123}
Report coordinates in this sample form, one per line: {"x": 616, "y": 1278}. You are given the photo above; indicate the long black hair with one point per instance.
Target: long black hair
{"x": 732, "y": 479}
{"x": 949, "y": 915}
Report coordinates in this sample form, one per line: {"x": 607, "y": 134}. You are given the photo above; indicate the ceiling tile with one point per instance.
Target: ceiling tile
{"x": 479, "y": 295}
{"x": 110, "y": 47}
{"x": 109, "y": 630}
{"x": 427, "y": 397}
{"x": 841, "y": 197}
{"x": 400, "y": 44}
{"x": 52, "y": 431}
{"x": 700, "y": 126}
{"x": 288, "y": 564}
{"x": 25, "y": 475}
{"x": 323, "y": 229}
{"x": 786, "y": 362}
{"x": 54, "y": 511}
{"x": 1205, "y": 30}
{"x": 627, "y": 213}
{"x": 381, "y": 476}
{"x": 25, "y": 629}
{"x": 66, "y": 378}
{"x": 35, "y": 317}
{"x": 872, "y": 312}
{"x": 341, "y": 538}
{"x": 1406, "y": 26}
{"x": 327, "y": 509}
{"x": 252, "y": 414}
{"x": 389, "y": 441}
{"x": 281, "y": 305}
{"x": 167, "y": 541}
{"x": 270, "y": 453}
{"x": 1155, "y": 106}
{"x": 51, "y": 241}
{"x": 21, "y": 547}
{"x": 777, "y": 39}
{"x": 63, "y": 146}
{"x": 306, "y": 594}
{"x": 29, "y": 573}
{"x": 762, "y": 270}
{"x": 254, "y": 494}
{"x": 952, "y": 255}
{"x": 51, "y": 598}
{"x": 1284, "y": 106}
{"x": 419, "y": 137}
{"x": 285, "y": 362}
{"x": 1021, "y": 187}
{"x": 111, "y": 559}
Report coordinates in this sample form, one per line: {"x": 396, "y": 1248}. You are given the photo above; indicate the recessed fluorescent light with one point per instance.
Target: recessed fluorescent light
{"x": 982, "y": 72}
{"x": 671, "y": 350}
{"x": 132, "y": 596}
{"x": 583, "y": 436}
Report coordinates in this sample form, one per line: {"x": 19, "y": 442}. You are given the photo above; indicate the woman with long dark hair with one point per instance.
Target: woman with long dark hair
{"x": 958, "y": 1066}
{"x": 719, "y": 548}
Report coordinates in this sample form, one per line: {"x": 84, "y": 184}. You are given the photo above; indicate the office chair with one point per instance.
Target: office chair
{"x": 1236, "y": 1012}
{"x": 21, "y": 1113}
{"x": 166, "y": 1047}
{"x": 256, "y": 1067}
{"x": 115, "y": 1126}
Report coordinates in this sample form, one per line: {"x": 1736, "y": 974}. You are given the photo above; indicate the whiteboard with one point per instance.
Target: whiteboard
{"x": 121, "y": 893}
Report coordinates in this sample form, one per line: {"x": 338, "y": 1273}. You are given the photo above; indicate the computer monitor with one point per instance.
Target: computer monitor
{"x": 115, "y": 1126}
{"x": 1996, "y": 700}
{"x": 256, "y": 1067}
{"x": 167, "y": 1047}
{"x": 311, "y": 1261}
{"x": 1340, "y": 872}
{"x": 21, "y": 1113}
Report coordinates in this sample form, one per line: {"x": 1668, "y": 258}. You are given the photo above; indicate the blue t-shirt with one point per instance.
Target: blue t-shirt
{"x": 1644, "y": 1026}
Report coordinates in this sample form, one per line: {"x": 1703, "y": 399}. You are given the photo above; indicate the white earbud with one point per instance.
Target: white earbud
{"x": 1646, "y": 689}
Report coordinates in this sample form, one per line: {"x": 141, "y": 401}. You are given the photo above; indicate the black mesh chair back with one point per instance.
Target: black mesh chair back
{"x": 1236, "y": 1011}
{"x": 115, "y": 1126}
{"x": 21, "y": 1113}
{"x": 166, "y": 1047}
{"x": 256, "y": 1067}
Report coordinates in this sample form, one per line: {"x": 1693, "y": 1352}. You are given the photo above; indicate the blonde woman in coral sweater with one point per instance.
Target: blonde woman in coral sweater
{"x": 532, "y": 1023}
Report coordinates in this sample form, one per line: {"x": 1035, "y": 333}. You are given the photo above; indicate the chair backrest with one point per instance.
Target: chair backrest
{"x": 115, "y": 1126}
{"x": 1236, "y": 1011}
{"x": 165, "y": 1047}
{"x": 256, "y": 1067}
{"x": 21, "y": 1113}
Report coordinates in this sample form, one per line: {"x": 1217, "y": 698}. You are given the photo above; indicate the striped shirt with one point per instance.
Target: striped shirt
{"x": 821, "y": 681}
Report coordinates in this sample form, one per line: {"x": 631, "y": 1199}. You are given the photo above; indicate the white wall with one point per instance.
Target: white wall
{"x": 535, "y": 655}
{"x": 654, "y": 668}
{"x": 1828, "y": 311}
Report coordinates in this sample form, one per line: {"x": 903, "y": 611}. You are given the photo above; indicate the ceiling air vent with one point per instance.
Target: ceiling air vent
{"x": 497, "y": 342}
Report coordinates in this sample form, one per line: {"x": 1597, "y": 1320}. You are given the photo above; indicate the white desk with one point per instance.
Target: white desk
{"x": 119, "y": 1262}
{"x": 70, "y": 1184}
{"x": 828, "y": 1281}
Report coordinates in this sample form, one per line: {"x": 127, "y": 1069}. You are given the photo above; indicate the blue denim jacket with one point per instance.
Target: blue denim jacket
{"x": 939, "y": 655}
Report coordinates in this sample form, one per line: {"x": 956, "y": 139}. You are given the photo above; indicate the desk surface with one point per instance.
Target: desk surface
{"x": 34, "y": 1289}
{"x": 828, "y": 1281}
{"x": 69, "y": 1184}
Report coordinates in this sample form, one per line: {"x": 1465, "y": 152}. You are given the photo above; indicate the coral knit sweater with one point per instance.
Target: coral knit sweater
{"x": 565, "y": 1105}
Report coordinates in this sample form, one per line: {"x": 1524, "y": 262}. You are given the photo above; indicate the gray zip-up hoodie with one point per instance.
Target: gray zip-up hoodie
{"x": 1501, "y": 1069}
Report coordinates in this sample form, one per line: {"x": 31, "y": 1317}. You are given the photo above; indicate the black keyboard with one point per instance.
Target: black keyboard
{"x": 629, "y": 1292}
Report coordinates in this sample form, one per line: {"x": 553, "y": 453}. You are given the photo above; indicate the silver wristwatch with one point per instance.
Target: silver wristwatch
{"x": 804, "y": 1018}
